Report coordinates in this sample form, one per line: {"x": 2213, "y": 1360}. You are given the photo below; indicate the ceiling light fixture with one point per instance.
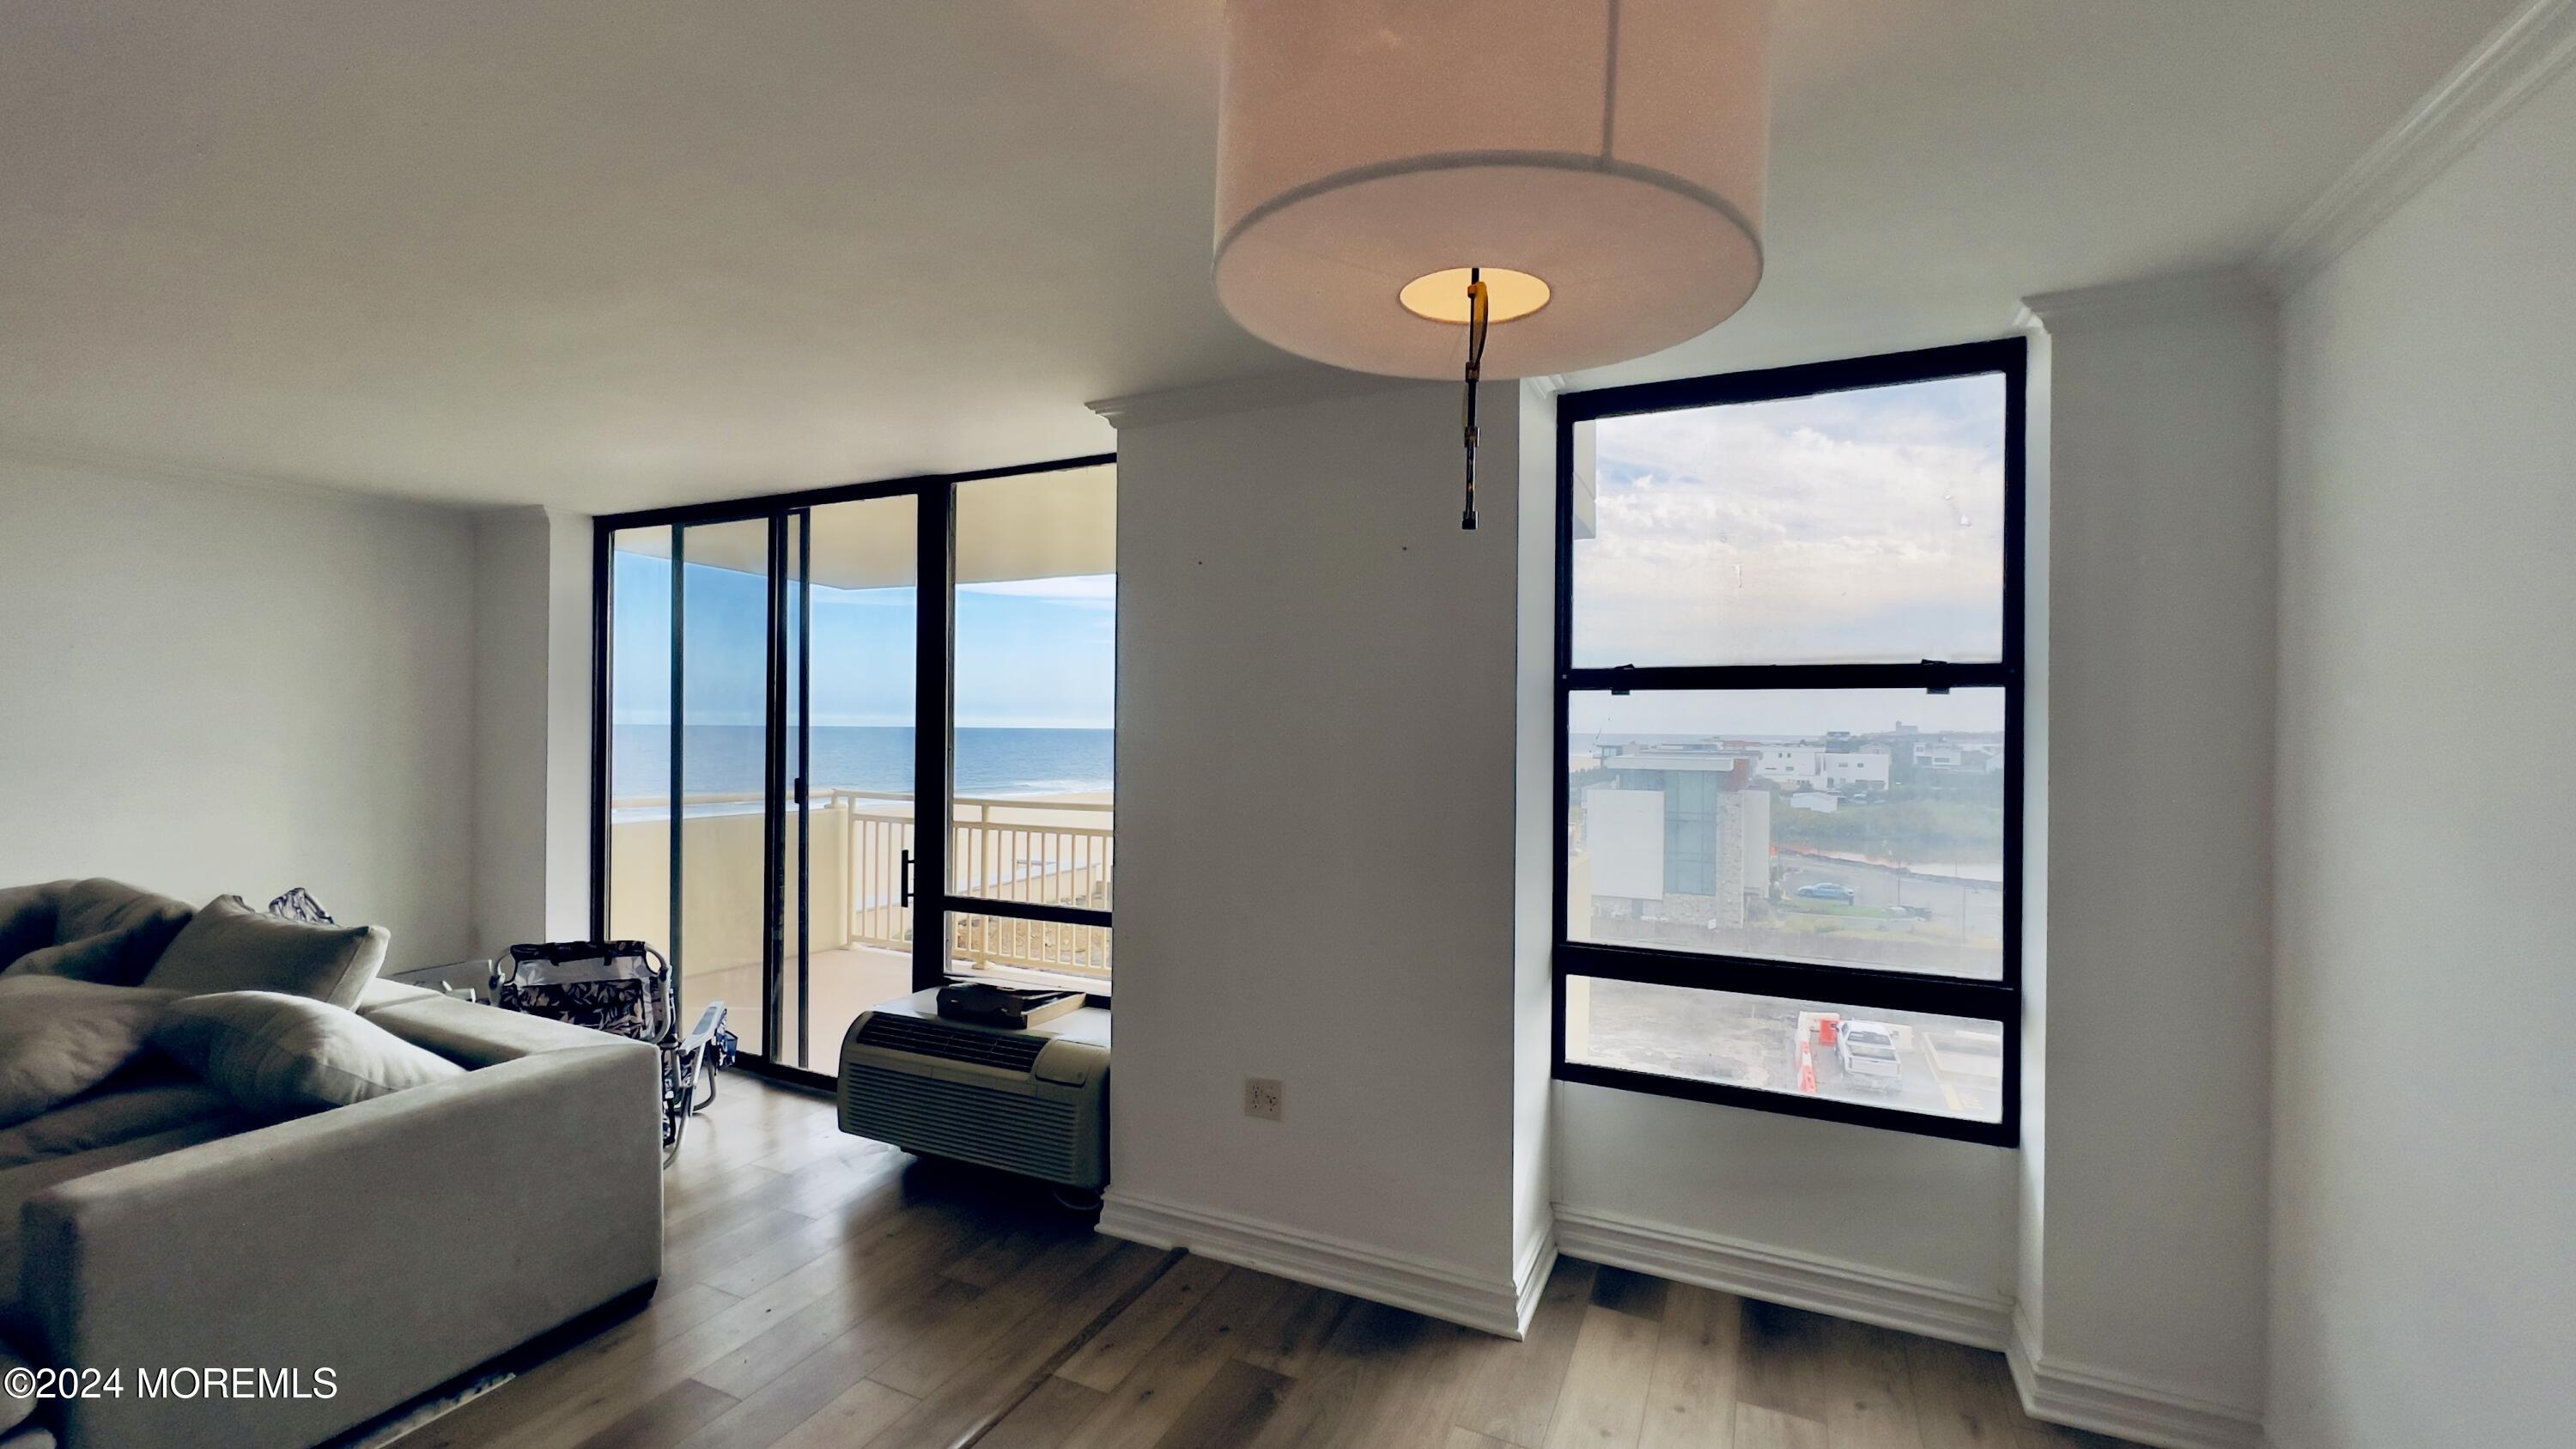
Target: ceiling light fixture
{"x": 1397, "y": 177}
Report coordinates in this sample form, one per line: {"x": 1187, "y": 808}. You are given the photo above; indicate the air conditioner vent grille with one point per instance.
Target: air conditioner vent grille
{"x": 1017, "y": 1133}
{"x": 950, "y": 1043}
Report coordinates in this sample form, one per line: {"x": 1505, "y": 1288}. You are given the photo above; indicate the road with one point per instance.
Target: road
{"x": 1974, "y": 908}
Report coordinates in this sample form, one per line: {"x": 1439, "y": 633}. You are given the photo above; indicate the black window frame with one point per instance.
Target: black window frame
{"x": 1997, "y": 1001}
{"x": 934, "y": 722}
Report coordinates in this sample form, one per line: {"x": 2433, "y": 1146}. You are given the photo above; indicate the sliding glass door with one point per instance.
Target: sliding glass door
{"x": 689, "y": 825}
{"x": 857, "y": 630}
{"x": 857, "y": 742}
{"x": 720, "y": 771}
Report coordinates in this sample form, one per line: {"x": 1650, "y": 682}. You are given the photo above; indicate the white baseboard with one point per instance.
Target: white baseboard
{"x": 1825, "y": 1285}
{"x": 2051, "y": 1389}
{"x": 1497, "y": 1305}
{"x": 1531, "y": 1267}
{"x": 2083, "y": 1397}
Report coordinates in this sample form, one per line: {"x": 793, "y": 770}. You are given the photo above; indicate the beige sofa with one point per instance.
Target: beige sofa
{"x": 397, "y": 1242}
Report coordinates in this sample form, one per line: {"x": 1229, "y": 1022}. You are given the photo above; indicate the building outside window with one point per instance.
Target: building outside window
{"x": 1789, "y": 667}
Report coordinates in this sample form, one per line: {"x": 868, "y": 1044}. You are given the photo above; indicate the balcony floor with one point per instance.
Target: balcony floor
{"x": 840, "y": 984}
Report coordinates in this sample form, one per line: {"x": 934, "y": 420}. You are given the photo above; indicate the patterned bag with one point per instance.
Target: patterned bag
{"x": 298, "y": 905}
{"x": 613, "y": 986}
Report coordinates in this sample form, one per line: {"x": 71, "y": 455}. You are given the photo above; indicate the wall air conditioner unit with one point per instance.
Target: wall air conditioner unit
{"x": 1034, "y": 1100}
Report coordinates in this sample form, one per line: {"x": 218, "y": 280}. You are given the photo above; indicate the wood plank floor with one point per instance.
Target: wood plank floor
{"x": 821, "y": 1290}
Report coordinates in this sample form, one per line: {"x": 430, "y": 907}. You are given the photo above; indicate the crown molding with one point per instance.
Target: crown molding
{"x": 2516, "y": 59}
{"x": 152, "y": 470}
{"x": 1243, "y": 395}
{"x": 2081, "y": 307}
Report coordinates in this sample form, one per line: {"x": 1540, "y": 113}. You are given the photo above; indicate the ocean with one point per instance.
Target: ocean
{"x": 727, "y": 759}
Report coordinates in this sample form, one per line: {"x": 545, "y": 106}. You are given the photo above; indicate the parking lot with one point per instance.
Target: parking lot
{"x": 1950, "y": 1068}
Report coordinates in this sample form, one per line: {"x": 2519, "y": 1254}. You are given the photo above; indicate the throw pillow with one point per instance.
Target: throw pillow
{"x": 27, "y": 916}
{"x": 90, "y": 930}
{"x": 59, "y": 1038}
{"x": 285, "y": 1056}
{"x": 230, "y": 947}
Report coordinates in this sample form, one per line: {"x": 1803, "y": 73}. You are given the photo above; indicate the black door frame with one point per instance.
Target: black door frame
{"x": 784, "y": 779}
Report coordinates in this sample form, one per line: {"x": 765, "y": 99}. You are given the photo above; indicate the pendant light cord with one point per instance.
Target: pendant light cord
{"x": 1475, "y": 367}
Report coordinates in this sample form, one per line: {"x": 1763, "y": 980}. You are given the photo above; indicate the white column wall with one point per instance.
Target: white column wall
{"x": 2149, "y": 1189}
{"x": 532, "y": 646}
{"x": 1316, "y": 717}
{"x": 2423, "y": 1264}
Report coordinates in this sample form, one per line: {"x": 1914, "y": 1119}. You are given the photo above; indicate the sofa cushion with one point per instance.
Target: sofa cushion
{"x": 284, "y": 1056}
{"x": 111, "y": 1115}
{"x": 90, "y": 930}
{"x": 60, "y": 1037}
{"x": 476, "y": 1034}
{"x": 230, "y": 947}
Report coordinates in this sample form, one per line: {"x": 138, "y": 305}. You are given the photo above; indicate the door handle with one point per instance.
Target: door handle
{"x": 906, "y": 898}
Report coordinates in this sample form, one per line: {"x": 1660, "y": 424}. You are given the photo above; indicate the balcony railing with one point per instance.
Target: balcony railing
{"x": 1039, "y": 852}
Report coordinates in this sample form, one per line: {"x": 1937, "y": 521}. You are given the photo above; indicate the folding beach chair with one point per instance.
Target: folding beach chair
{"x": 624, "y": 987}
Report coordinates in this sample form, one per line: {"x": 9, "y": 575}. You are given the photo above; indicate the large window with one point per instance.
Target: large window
{"x": 1789, "y": 668}
{"x": 857, "y": 741}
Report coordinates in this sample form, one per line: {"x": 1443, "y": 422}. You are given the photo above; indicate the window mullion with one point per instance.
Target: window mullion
{"x": 1929, "y": 675}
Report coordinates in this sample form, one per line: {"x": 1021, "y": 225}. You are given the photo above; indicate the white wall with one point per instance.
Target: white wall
{"x": 568, "y": 725}
{"x": 1865, "y": 1204}
{"x": 2149, "y": 1193}
{"x": 532, "y": 640}
{"x": 211, "y": 688}
{"x": 1316, "y": 701}
{"x": 1537, "y": 774}
{"x": 2424, "y": 1231}
{"x": 2031, "y": 1162}
{"x": 511, "y": 554}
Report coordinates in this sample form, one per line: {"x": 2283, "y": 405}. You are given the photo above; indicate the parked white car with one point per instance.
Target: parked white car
{"x": 1867, "y": 1050}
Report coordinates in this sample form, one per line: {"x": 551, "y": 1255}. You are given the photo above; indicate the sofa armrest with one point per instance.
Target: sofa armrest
{"x": 397, "y": 1243}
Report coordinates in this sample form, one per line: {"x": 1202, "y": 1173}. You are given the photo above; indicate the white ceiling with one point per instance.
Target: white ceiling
{"x": 612, "y": 253}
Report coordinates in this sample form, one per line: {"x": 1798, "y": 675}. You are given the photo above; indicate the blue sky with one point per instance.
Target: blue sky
{"x": 1031, "y": 654}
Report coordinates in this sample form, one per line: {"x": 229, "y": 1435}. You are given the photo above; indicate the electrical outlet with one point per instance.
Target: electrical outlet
{"x": 1265, "y": 1098}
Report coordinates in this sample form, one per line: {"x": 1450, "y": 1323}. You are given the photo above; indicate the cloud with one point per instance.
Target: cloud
{"x": 1087, "y": 590}
{"x": 1783, "y": 714}
{"x": 1862, "y": 525}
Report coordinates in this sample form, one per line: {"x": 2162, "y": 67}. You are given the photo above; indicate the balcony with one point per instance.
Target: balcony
{"x": 858, "y": 924}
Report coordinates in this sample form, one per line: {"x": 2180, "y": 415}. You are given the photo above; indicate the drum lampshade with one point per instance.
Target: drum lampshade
{"x": 1601, "y": 161}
